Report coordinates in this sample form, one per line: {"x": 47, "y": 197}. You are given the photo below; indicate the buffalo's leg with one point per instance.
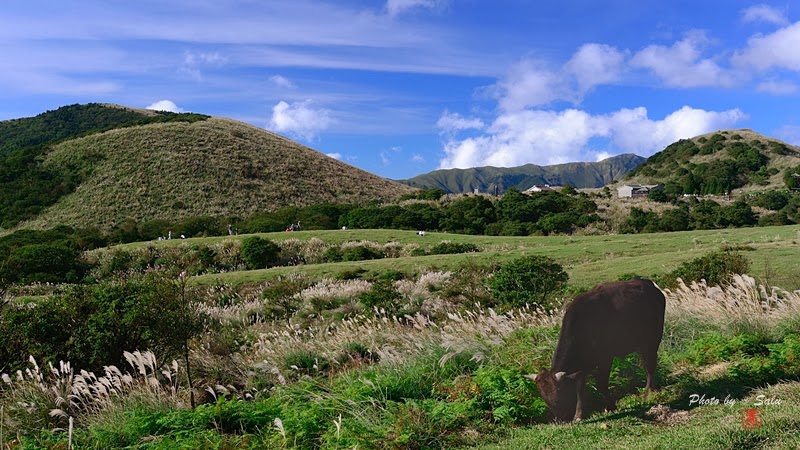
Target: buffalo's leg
{"x": 601, "y": 376}
{"x": 580, "y": 382}
{"x": 649, "y": 361}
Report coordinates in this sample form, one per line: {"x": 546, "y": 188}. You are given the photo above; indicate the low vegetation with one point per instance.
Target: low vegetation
{"x": 333, "y": 374}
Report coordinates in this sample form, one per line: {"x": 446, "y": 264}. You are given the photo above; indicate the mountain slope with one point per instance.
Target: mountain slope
{"x": 717, "y": 162}
{"x": 579, "y": 175}
{"x": 217, "y": 167}
{"x": 26, "y": 187}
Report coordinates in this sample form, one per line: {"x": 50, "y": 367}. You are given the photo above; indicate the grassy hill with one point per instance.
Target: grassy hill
{"x": 579, "y": 175}
{"x": 720, "y": 161}
{"x": 175, "y": 169}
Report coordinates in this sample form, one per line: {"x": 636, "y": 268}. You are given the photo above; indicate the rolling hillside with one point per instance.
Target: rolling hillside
{"x": 579, "y": 175}
{"x": 720, "y": 161}
{"x": 168, "y": 170}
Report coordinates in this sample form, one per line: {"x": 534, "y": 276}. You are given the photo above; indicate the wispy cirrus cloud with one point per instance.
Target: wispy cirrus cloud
{"x": 396, "y": 7}
{"x": 777, "y": 87}
{"x": 451, "y": 122}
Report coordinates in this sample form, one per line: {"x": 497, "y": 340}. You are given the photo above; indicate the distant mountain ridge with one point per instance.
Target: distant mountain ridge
{"x": 577, "y": 174}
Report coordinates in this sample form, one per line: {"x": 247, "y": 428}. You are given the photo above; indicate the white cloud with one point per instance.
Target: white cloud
{"x": 778, "y": 49}
{"x": 532, "y": 83}
{"x": 396, "y": 7}
{"x": 595, "y": 64}
{"x": 452, "y": 122}
{"x": 776, "y": 87}
{"x": 417, "y": 158}
{"x": 282, "y": 82}
{"x": 301, "y": 119}
{"x": 529, "y": 83}
{"x": 334, "y": 155}
{"x": 552, "y": 137}
{"x": 764, "y": 13}
{"x": 682, "y": 65}
{"x": 165, "y": 105}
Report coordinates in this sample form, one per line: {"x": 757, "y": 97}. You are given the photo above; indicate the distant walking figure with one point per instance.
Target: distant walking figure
{"x": 169, "y": 235}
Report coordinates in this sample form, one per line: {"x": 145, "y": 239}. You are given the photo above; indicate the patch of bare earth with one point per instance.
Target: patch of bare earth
{"x": 664, "y": 415}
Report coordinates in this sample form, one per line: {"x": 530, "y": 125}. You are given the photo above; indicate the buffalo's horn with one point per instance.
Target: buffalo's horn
{"x": 560, "y": 375}
{"x": 532, "y": 376}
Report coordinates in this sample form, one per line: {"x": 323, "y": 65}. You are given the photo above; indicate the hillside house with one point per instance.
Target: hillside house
{"x": 538, "y": 188}
{"x": 637, "y": 190}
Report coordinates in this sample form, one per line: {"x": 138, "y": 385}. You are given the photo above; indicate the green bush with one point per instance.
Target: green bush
{"x": 259, "y": 253}
{"x": 532, "y": 280}
{"x": 781, "y": 362}
{"x": 92, "y": 325}
{"x": 361, "y": 253}
{"x": 713, "y": 347}
{"x": 47, "y": 263}
{"x": 332, "y": 254}
{"x": 448, "y": 248}
{"x": 716, "y": 268}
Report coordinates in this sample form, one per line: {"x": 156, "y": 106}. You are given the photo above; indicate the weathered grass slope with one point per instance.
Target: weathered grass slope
{"x": 217, "y": 167}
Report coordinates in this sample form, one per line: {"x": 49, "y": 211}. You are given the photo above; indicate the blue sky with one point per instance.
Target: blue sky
{"x": 403, "y": 87}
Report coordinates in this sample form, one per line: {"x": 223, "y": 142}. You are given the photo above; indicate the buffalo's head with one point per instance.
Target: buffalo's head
{"x": 559, "y": 391}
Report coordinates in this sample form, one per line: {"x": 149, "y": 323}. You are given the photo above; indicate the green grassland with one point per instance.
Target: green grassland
{"x": 772, "y": 251}
{"x": 705, "y": 427}
{"x": 445, "y": 380}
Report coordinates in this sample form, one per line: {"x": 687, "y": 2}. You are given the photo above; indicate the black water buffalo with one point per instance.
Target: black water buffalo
{"x": 613, "y": 319}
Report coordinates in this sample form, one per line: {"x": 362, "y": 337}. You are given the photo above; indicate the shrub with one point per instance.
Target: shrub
{"x": 332, "y": 254}
{"x": 361, "y": 253}
{"x": 259, "y": 253}
{"x": 529, "y": 280}
{"x": 448, "y": 248}
{"x": 382, "y": 295}
{"x": 355, "y": 274}
{"x": 716, "y": 268}
{"x": 91, "y": 326}
{"x": 49, "y": 263}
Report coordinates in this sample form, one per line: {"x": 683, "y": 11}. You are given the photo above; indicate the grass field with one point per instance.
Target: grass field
{"x": 333, "y": 373}
{"x": 705, "y": 427}
{"x": 774, "y": 253}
